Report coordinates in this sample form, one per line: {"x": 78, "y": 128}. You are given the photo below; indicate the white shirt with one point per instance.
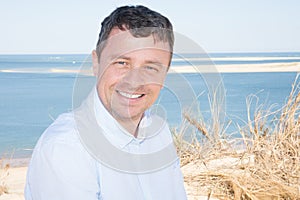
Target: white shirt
{"x": 63, "y": 167}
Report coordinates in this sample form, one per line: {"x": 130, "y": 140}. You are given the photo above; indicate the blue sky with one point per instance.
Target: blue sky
{"x": 71, "y": 26}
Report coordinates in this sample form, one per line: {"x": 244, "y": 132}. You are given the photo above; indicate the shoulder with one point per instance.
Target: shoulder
{"x": 60, "y": 164}
{"x": 60, "y": 137}
{"x": 59, "y": 149}
{"x": 60, "y": 143}
{"x": 63, "y": 129}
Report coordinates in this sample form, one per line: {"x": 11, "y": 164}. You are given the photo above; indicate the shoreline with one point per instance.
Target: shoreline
{"x": 15, "y": 162}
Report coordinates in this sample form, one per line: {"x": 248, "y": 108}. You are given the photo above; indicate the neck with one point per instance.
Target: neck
{"x": 130, "y": 125}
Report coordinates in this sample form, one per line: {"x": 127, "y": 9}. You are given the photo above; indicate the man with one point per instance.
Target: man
{"x": 113, "y": 146}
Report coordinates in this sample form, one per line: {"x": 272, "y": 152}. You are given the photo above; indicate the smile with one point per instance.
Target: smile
{"x": 130, "y": 96}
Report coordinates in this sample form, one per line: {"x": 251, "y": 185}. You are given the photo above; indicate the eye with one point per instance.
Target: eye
{"x": 120, "y": 63}
{"x": 151, "y": 68}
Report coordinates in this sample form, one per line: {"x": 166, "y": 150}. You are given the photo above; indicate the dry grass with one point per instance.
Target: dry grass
{"x": 267, "y": 167}
{"x": 4, "y": 173}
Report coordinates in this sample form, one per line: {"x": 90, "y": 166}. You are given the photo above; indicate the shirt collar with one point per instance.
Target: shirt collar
{"x": 113, "y": 131}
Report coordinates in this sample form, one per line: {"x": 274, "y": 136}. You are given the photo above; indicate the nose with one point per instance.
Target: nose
{"x": 134, "y": 78}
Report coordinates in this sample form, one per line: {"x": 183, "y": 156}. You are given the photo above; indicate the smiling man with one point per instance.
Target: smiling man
{"x": 131, "y": 72}
{"x": 114, "y": 146}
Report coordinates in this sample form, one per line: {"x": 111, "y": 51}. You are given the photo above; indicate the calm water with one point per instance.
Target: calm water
{"x": 31, "y": 96}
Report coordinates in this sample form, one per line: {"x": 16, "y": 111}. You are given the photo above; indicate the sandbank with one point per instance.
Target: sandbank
{"x": 240, "y": 68}
{"x": 253, "y": 58}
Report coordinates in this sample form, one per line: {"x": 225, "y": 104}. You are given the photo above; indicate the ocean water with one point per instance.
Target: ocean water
{"x": 35, "y": 89}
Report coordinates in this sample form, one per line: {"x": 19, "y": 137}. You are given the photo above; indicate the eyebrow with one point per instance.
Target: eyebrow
{"x": 114, "y": 57}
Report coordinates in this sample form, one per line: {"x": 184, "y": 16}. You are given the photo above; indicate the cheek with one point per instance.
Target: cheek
{"x": 108, "y": 78}
{"x": 155, "y": 90}
{"x": 105, "y": 86}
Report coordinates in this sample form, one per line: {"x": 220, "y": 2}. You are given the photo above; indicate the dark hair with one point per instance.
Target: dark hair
{"x": 140, "y": 21}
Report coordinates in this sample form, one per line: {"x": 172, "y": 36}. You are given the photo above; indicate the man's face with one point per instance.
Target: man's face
{"x": 130, "y": 72}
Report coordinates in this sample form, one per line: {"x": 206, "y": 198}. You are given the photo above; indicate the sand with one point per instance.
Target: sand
{"x": 15, "y": 182}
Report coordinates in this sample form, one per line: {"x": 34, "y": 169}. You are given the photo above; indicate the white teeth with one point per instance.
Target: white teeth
{"x": 130, "y": 96}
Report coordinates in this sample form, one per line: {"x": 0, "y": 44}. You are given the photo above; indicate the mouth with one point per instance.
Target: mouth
{"x": 130, "y": 95}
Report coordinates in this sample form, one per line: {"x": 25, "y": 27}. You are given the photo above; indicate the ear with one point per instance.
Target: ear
{"x": 95, "y": 61}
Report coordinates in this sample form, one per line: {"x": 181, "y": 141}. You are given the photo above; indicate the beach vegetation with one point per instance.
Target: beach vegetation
{"x": 263, "y": 163}
{"x": 4, "y": 173}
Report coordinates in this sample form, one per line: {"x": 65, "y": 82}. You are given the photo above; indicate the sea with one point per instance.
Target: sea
{"x": 36, "y": 89}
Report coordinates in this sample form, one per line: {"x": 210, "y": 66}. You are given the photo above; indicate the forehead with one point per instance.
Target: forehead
{"x": 122, "y": 42}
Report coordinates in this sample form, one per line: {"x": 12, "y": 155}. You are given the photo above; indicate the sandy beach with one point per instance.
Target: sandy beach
{"x": 15, "y": 183}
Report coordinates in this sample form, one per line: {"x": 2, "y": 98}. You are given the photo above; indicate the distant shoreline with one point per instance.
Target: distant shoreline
{"x": 241, "y": 68}
{"x": 230, "y": 68}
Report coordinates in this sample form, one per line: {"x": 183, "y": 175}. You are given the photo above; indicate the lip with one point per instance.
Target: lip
{"x": 130, "y": 96}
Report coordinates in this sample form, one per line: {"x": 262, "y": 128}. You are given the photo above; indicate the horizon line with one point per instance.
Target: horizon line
{"x": 85, "y": 53}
